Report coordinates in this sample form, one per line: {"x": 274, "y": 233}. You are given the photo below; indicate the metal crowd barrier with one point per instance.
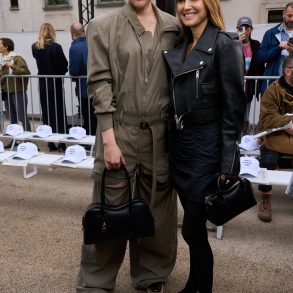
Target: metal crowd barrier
{"x": 58, "y": 92}
{"x": 71, "y": 104}
{"x": 260, "y": 81}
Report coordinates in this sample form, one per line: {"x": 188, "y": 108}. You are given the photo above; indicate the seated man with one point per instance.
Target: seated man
{"x": 276, "y": 110}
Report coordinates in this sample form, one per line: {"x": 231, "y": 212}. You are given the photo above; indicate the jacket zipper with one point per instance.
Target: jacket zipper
{"x": 179, "y": 123}
{"x": 178, "y": 120}
{"x": 196, "y": 83}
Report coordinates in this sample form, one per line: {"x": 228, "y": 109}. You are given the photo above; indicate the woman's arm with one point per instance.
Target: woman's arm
{"x": 233, "y": 102}
{"x": 100, "y": 90}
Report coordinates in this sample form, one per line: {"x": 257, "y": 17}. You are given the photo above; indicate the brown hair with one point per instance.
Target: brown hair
{"x": 288, "y": 62}
{"x": 8, "y": 43}
{"x": 290, "y": 4}
{"x": 46, "y": 35}
{"x": 215, "y": 15}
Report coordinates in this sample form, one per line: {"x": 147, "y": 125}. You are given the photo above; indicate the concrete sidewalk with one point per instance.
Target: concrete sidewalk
{"x": 41, "y": 234}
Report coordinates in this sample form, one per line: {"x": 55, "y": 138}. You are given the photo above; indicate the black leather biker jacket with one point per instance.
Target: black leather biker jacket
{"x": 208, "y": 86}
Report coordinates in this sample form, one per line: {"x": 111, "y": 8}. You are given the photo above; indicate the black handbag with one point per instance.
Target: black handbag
{"x": 225, "y": 204}
{"x": 131, "y": 220}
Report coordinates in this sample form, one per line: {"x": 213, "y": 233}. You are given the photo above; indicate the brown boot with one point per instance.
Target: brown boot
{"x": 265, "y": 209}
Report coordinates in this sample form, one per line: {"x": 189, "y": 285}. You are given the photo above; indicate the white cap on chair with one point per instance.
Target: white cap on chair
{"x": 74, "y": 154}
{"x": 43, "y": 131}
{"x": 77, "y": 132}
{"x": 26, "y": 151}
{"x": 249, "y": 143}
{"x": 14, "y": 129}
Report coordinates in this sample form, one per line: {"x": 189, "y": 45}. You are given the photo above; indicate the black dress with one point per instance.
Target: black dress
{"x": 52, "y": 61}
{"x": 195, "y": 159}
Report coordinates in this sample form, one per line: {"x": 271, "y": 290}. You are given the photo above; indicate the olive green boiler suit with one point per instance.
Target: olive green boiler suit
{"x": 128, "y": 82}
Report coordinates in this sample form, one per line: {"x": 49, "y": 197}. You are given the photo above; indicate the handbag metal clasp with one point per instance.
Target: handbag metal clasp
{"x": 104, "y": 227}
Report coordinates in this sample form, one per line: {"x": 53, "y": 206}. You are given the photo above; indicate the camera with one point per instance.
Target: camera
{"x": 242, "y": 29}
{"x": 290, "y": 41}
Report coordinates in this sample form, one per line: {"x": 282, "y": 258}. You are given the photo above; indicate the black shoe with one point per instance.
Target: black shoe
{"x": 156, "y": 287}
{"x": 61, "y": 147}
{"x": 52, "y": 147}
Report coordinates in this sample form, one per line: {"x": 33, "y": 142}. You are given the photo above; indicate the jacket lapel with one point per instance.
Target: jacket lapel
{"x": 176, "y": 58}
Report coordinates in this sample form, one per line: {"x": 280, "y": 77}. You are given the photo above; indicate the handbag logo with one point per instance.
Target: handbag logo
{"x": 104, "y": 227}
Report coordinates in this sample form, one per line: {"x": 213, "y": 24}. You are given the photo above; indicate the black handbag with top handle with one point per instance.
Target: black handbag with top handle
{"x": 230, "y": 200}
{"x": 130, "y": 220}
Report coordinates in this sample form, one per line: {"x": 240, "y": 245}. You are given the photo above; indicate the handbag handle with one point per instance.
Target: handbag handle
{"x": 103, "y": 187}
{"x": 220, "y": 191}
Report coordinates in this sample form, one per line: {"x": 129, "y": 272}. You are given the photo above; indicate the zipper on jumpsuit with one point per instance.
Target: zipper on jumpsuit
{"x": 148, "y": 70}
{"x": 178, "y": 120}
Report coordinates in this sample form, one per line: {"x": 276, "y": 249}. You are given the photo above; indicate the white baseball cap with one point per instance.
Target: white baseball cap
{"x": 26, "y": 151}
{"x": 249, "y": 165}
{"x": 249, "y": 143}
{"x": 74, "y": 154}
{"x": 43, "y": 131}
{"x": 77, "y": 132}
{"x": 1, "y": 147}
{"x": 14, "y": 129}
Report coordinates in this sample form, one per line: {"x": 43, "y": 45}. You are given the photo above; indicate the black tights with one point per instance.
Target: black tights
{"x": 195, "y": 234}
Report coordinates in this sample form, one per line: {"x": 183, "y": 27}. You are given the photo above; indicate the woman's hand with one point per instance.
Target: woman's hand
{"x": 223, "y": 178}
{"x": 7, "y": 64}
{"x": 113, "y": 156}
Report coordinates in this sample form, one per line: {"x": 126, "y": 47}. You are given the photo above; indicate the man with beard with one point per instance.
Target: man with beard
{"x": 276, "y": 46}
{"x": 276, "y": 110}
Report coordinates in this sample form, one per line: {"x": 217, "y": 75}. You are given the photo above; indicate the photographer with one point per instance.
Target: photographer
{"x": 275, "y": 45}
{"x": 251, "y": 65}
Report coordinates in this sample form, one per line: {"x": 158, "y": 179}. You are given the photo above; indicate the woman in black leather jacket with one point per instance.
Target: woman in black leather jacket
{"x": 208, "y": 110}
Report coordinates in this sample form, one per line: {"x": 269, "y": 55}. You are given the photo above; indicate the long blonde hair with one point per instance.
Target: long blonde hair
{"x": 46, "y": 35}
{"x": 215, "y": 15}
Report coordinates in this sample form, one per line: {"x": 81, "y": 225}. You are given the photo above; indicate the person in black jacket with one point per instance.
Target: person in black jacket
{"x": 252, "y": 66}
{"x": 51, "y": 61}
{"x": 205, "y": 122}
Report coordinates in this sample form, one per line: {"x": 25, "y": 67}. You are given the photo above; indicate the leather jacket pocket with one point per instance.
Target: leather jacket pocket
{"x": 209, "y": 88}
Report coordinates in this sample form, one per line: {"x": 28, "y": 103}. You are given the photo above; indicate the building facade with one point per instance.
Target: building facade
{"x": 28, "y": 15}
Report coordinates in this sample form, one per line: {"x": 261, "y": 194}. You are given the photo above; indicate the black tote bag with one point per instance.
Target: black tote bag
{"x": 225, "y": 204}
{"x": 130, "y": 220}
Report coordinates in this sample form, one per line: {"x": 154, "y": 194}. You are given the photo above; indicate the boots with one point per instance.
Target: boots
{"x": 265, "y": 209}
